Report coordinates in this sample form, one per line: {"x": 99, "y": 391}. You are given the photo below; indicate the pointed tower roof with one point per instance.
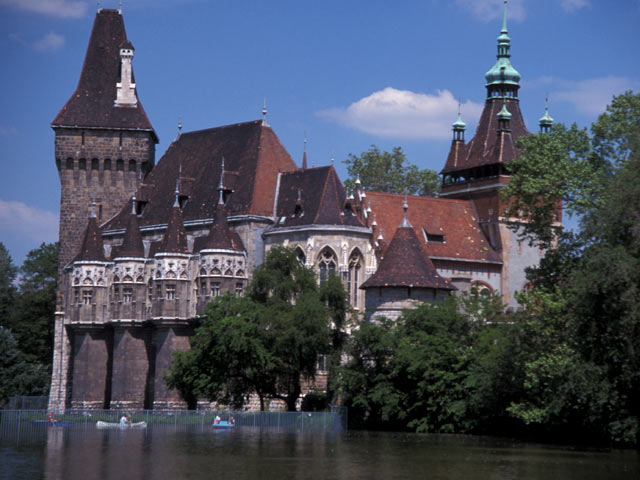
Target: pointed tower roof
{"x": 175, "y": 236}
{"x": 546, "y": 120}
{"x": 220, "y": 236}
{"x": 93, "y": 102}
{"x": 92, "y": 249}
{"x": 405, "y": 264}
{"x": 132, "y": 245}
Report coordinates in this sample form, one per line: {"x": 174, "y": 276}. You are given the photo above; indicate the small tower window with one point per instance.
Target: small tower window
{"x": 82, "y": 164}
{"x": 87, "y": 297}
{"x": 171, "y": 292}
{"x": 215, "y": 289}
{"x": 120, "y": 165}
{"x": 107, "y": 164}
{"x": 69, "y": 163}
{"x": 127, "y": 294}
{"x": 95, "y": 164}
{"x": 239, "y": 289}
{"x": 132, "y": 165}
{"x": 327, "y": 264}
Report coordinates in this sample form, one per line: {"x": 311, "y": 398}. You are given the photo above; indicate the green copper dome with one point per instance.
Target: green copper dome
{"x": 546, "y": 118}
{"x": 459, "y": 124}
{"x": 503, "y": 72}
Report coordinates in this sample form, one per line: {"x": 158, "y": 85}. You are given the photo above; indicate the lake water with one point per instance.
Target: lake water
{"x": 161, "y": 452}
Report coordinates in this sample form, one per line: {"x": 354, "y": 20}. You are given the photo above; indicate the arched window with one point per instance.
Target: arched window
{"x": 107, "y": 164}
{"x": 327, "y": 264}
{"x": 354, "y": 276}
{"x": 132, "y": 165}
{"x": 95, "y": 164}
{"x": 302, "y": 258}
{"x": 481, "y": 287}
{"x": 120, "y": 165}
{"x": 82, "y": 164}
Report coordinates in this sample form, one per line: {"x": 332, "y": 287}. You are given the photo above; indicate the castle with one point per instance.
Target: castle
{"x": 136, "y": 270}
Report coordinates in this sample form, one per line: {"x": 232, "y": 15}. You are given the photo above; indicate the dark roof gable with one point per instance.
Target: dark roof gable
{"x": 92, "y": 249}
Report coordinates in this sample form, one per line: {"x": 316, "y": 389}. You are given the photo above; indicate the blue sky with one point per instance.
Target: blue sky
{"x": 348, "y": 73}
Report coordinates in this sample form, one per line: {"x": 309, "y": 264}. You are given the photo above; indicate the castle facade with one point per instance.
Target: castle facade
{"x": 144, "y": 246}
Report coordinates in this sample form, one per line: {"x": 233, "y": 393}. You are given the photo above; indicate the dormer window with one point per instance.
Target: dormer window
{"x": 433, "y": 237}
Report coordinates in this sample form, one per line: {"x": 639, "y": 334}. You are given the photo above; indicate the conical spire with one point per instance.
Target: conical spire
{"x": 92, "y": 249}
{"x": 220, "y": 237}
{"x": 175, "y": 237}
{"x": 459, "y": 126}
{"x": 304, "y": 154}
{"x": 132, "y": 245}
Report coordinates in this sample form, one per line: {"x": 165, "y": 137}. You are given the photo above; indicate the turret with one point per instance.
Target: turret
{"x": 546, "y": 122}
{"x": 125, "y": 88}
{"x": 223, "y": 259}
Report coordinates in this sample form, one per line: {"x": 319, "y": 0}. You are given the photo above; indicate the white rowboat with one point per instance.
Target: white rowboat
{"x": 101, "y": 424}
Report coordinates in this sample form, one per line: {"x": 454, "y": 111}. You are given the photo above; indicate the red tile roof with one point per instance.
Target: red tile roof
{"x": 405, "y": 264}
{"x": 455, "y": 220}
{"x": 92, "y": 249}
{"x": 313, "y": 196}
{"x": 92, "y": 104}
{"x": 175, "y": 236}
{"x": 253, "y": 157}
{"x": 484, "y": 148}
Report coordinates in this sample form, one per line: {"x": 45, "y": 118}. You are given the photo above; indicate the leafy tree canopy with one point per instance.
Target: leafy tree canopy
{"x": 389, "y": 172}
{"x": 263, "y": 343}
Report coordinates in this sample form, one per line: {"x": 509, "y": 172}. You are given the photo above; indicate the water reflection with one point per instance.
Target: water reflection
{"x": 83, "y": 452}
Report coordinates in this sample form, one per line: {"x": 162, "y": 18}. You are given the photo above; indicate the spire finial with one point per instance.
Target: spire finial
{"x": 93, "y": 207}
{"x": 221, "y": 186}
{"x": 264, "y": 112}
{"x": 179, "y": 125}
{"x": 133, "y": 204}
{"x": 405, "y": 206}
{"x": 333, "y": 159}
{"x": 99, "y": 6}
{"x": 304, "y": 152}
{"x": 176, "y": 203}
{"x": 120, "y": 7}
{"x": 504, "y": 19}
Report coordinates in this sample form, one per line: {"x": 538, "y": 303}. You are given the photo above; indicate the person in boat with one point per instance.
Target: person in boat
{"x": 216, "y": 420}
{"x": 51, "y": 419}
{"x": 124, "y": 420}
{"x": 232, "y": 420}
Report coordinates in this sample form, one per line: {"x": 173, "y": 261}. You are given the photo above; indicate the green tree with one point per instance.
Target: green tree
{"x": 18, "y": 376}
{"x": 33, "y": 319}
{"x": 389, "y": 172}
{"x": 8, "y": 273}
{"x": 264, "y": 343}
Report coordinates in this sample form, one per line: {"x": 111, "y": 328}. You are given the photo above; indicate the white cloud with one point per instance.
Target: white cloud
{"x": 51, "y": 42}
{"x": 55, "y": 8}
{"x": 20, "y": 219}
{"x": 404, "y": 114}
{"x": 591, "y": 96}
{"x": 570, "y": 6}
{"x": 487, "y": 10}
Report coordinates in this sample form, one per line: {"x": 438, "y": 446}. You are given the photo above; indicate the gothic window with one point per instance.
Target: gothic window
{"x": 354, "y": 277}
{"x": 171, "y": 292}
{"x": 127, "y": 294}
{"x": 116, "y": 293}
{"x": 327, "y": 264}
{"x": 82, "y": 164}
{"x": 302, "y": 258}
{"x": 215, "y": 289}
{"x": 107, "y": 164}
{"x": 69, "y": 163}
{"x": 159, "y": 291}
{"x": 481, "y": 288}
{"x": 321, "y": 363}
{"x": 203, "y": 286}
{"x": 76, "y": 296}
{"x": 132, "y": 165}
{"x": 87, "y": 297}
{"x": 120, "y": 165}
{"x": 239, "y": 289}
{"x": 95, "y": 164}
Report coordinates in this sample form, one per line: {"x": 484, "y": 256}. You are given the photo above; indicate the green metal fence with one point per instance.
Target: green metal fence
{"x": 33, "y": 423}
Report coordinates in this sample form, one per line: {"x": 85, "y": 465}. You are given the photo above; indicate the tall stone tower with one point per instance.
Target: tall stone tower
{"x": 104, "y": 147}
{"x": 476, "y": 170}
{"x": 104, "y": 142}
